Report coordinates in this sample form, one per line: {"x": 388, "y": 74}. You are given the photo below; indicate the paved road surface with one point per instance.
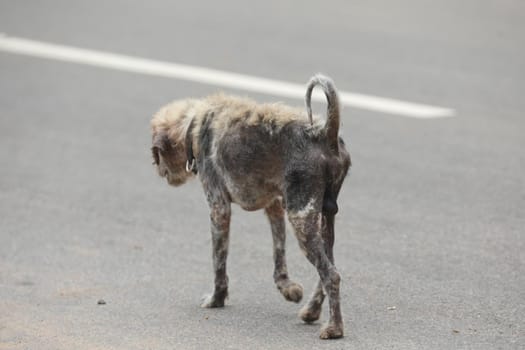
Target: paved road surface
{"x": 431, "y": 218}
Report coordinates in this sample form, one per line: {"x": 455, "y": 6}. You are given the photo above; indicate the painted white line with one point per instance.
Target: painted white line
{"x": 212, "y": 77}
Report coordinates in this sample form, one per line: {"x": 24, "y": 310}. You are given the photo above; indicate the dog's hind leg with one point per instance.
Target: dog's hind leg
{"x": 312, "y": 310}
{"x": 290, "y": 290}
{"x": 220, "y": 227}
{"x": 307, "y": 223}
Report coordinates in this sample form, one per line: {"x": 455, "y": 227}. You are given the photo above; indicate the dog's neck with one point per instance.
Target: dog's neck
{"x": 191, "y": 164}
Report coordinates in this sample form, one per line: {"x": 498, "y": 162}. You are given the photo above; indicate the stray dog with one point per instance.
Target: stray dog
{"x": 263, "y": 156}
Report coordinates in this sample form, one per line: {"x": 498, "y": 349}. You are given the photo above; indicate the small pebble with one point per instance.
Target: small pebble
{"x": 101, "y": 302}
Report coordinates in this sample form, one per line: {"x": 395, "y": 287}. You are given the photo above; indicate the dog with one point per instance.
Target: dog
{"x": 263, "y": 156}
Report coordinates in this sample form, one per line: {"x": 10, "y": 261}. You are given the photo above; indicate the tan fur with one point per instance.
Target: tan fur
{"x": 176, "y": 116}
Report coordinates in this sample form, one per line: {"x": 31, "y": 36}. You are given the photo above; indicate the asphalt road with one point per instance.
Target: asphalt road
{"x": 430, "y": 236}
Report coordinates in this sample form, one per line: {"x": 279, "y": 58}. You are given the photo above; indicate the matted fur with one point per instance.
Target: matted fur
{"x": 263, "y": 156}
{"x": 175, "y": 117}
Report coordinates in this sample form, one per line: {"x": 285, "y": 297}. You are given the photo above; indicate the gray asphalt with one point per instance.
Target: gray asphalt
{"x": 430, "y": 236}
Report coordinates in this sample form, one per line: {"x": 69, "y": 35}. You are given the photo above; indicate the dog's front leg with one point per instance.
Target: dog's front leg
{"x": 220, "y": 228}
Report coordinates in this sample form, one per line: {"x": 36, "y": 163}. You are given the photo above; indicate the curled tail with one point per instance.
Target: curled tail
{"x": 332, "y": 113}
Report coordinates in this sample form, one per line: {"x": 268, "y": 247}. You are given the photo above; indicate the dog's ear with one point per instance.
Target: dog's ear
{"x": 161, "y": 143}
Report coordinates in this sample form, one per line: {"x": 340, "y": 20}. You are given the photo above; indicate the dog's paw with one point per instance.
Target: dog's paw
{"x": 331, "y": 331}
{"x": 211, "y": 301}
{"x": 291, "y": 291}
{"x": 310, "y": 313}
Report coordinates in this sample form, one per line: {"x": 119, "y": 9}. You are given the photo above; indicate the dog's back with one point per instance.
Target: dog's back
{"x": 252, "y": 148}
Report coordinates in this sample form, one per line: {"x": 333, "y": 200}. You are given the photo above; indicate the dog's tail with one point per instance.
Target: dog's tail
{"x": 332, "y": 113}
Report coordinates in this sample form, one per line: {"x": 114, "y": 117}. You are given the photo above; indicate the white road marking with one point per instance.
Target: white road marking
{"x": 212, "y": 77}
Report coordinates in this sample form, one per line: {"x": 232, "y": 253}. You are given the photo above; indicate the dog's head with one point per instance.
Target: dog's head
{"x": 169, "y": 127}
{"x": 169, "y": 156}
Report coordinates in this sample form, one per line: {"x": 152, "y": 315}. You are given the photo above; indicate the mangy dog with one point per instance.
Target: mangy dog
{"x": 263, "y": 156}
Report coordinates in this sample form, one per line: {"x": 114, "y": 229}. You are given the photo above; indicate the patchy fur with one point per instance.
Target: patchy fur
{"x": 262, "y": 156}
